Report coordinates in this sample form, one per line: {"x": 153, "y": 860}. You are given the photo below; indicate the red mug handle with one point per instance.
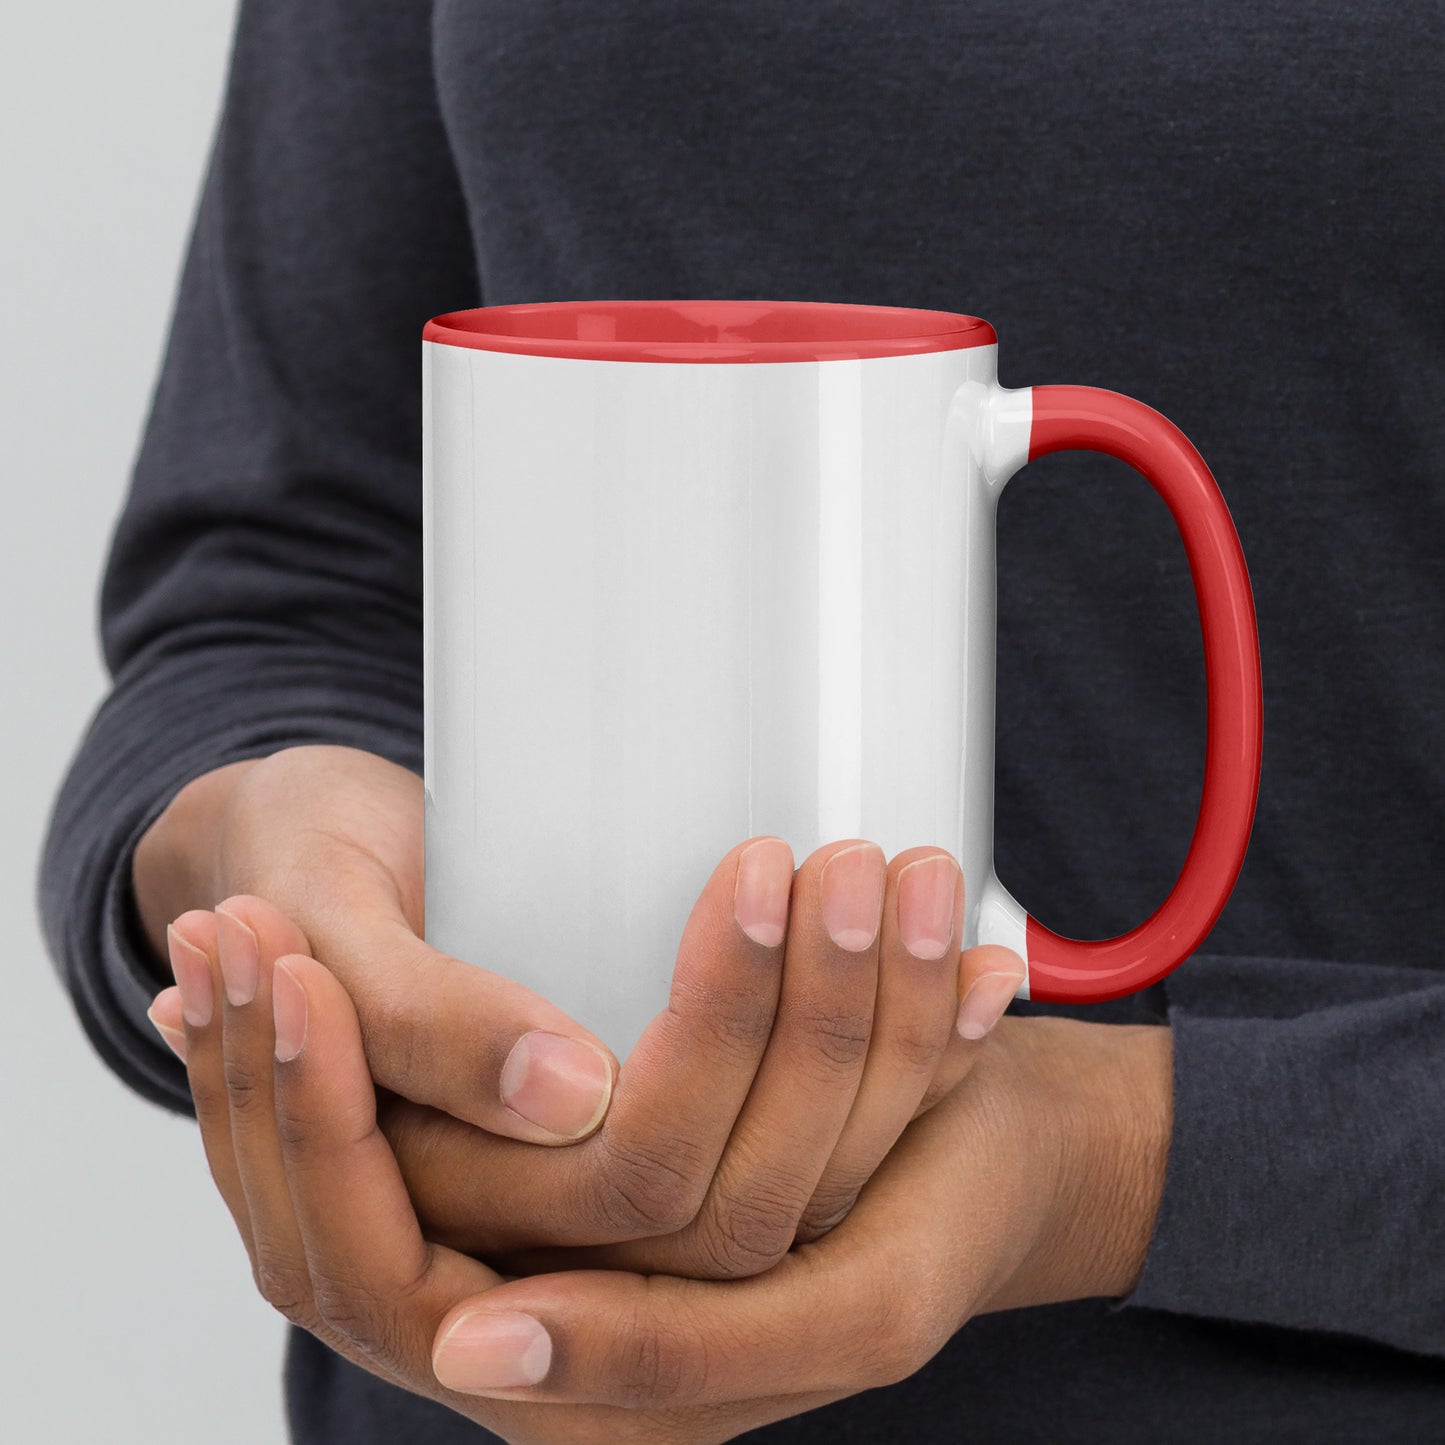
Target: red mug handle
{"x": 1069, "y": 970}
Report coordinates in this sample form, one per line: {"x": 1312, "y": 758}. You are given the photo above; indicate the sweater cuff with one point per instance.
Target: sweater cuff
{"x": 1303, "y": 1175}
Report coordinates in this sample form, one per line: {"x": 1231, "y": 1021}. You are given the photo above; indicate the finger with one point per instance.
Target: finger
{"x": 677, "y": 1100}
{"x": 662, "y": 1343}
{"x": 806, "y": 1085}
{"x": 989, "y": 978}
{"x": 454, "y": 1035}
{"x": 165, "y": 1014}
{"x": 378, "y": 1289}
{"x": 259, "y": 1204}
{"x": 192, "y": 947}
{"x": 438, "y": 1029}
{"x": 250, "y": 935}
{"x": 695, "y": 1065}
{"x": 865, "y": 1307}
{"x": 374, "y": 1281}
{"x": 913, "y": 1021}
{"x": 800, "y": 1101}
{"x": 1003, "y": 974}
{"x": 285, "y": 1276}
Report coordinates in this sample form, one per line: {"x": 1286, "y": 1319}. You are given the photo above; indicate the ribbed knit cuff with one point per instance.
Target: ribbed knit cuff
{"x": 1306, "y": 1175}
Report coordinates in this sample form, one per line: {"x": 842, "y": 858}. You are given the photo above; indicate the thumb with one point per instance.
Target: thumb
{"x": 451, "y": 1034}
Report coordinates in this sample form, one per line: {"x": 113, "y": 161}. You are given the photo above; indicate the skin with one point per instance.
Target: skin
{"x": 791, "y": 1196}
{"x": 750, "y": 1114}
{"x": 1037, "y": 1181}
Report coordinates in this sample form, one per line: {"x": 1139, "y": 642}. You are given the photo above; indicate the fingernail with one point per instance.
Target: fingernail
{"x": 561, "y": 1084}
{"x": 240, "y": 958}
{"x": 165, "y": 1003}
{"x": 926, "y": 892}
{"x": 760, "y": 899}
{"x": 984, "y": 1004}
{"x": 288, "y": 1009}
{"x": 485, "y": 1351}
{"x": 852, "y": 896}
{"x": 192, "y": 970}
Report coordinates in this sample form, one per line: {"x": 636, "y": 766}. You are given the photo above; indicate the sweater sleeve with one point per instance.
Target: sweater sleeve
{"x": 263, "y": 587}
{"x": 1306, "y": 1179}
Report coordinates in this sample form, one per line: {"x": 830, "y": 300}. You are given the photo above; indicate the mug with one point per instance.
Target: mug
{"x": 697, "y": 571}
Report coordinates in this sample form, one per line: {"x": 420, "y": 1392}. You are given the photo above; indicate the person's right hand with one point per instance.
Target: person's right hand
{"x": 331, "y": 837}
{"x": 753, "y": 1109}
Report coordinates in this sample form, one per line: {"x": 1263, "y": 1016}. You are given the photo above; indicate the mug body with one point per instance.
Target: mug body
{"x": 678, "y": 598}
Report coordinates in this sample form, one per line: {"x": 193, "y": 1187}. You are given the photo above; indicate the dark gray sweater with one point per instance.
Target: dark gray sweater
{"x": 1232, "y": 211}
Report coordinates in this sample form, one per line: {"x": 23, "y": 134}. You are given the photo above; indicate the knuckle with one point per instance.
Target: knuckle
{"x": 285, "y": 1288}
{"x": 247, "y": 1089}
{"x": 836, "y": 1041}
{"x": 296, "y": 1134}
{"x": 307, "y": 1140}
{"x": 659, "y": 1368}
{"x": 918, "y": 1045}
{"x": 647, "y": 1187}
{"x": 359, "y": 1315}
{"x": 826, "y": 1211}
{"x": 745, "y": 1234}
{"x": 733, "y": 1022}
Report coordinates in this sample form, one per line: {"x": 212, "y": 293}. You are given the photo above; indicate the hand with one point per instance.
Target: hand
{"x": 809, "y": 1021}
{"x": 1037, "y": 1183}
{"x": 753, "y": 1109}
{"x": 332, "y": 837}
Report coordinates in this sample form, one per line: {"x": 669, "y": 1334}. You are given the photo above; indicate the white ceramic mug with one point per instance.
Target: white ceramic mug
{"x": 701, "y": 570}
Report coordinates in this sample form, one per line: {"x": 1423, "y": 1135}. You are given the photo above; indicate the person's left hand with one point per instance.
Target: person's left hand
{"x": 1036, "y": 1181}
{"x": 810, "y": 1016}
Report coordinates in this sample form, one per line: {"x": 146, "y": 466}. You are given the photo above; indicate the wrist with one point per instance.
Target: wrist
{"x": 176, "y": 864}
{"x": 1105, "y": 1097}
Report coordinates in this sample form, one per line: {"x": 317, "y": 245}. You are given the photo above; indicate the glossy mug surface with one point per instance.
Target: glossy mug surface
{"x": 700, "y": 570}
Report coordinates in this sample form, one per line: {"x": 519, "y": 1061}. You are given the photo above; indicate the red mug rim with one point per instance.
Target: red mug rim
{"x": 708, "y": 331}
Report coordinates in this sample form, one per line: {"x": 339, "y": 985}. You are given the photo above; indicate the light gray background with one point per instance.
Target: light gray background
{"x": 128, "y": 1309}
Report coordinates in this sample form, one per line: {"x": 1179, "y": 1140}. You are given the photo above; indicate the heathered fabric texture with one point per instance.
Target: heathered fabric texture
{"x": 1231, "y": 211}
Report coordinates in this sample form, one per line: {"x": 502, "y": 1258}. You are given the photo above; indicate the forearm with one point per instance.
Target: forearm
{"x": 1297, "y": 1106}
{"x": 1100, "y": 1118}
